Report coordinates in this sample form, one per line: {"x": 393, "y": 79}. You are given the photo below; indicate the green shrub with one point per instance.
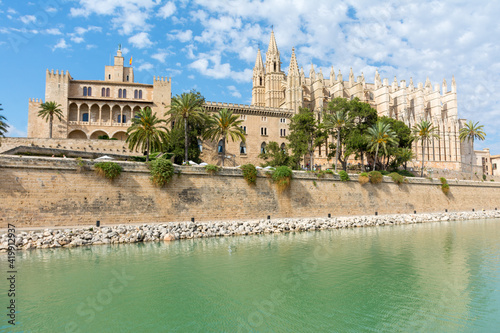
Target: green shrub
{"x": 80, "y": 165}
{"x": 484, "y": 177}
{"x": 445, "y": 188}
{"x": 211, "y": 169}
{"x": 162, "y": 171}
{"x": 330, "y": 172}
{"x": 375, "y": 177}
{"x": 314, "y": 183}
{"x": 249, "y": 173}
{"x": 110, "y": 170}
{"x": 384, "y": 172}
{"x": 443, "y": 180}
{"x": 344, "y": 176}
{"x": 282, "y": 177}
{"x": 363, "y": 178}
{"x": 405, "y": 173}
{"x": 397, "y": 178}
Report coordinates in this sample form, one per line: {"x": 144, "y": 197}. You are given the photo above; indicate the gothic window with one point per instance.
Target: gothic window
{"x": 140, "y": 94}
{"x": 107, "y": 92}
{"x": 283, "y": 147}
{"x": 243, "y": 117}
{"x": 263, "y": 148}
{"x": 243, "y": 148}
{"x": 89, "y": 91}
{"x": 119, "y": 93}
{"x": 119, "y": 119}
{"x": 282, "y": 132}
{"x": 263, "y": 118}
{"x": 85, "y": 117}
{"x": 200, "y": 145}
{"x": 84, "y": 91}
{"x": 127, "y": 77}
{"x": 283, "y": 120}
{"x": 109, "y": 77}
{"x": 244, "y": 129}
{"x": 124, "y": 93}
{"x": 275, "y": 67}
{"x": 263, "y": 131}
{"x": 136, "y": 94}
{"x": 260, "y": 79}
{"x": 103, "y": 92}
{"x": 124, "y": 118}
{"x": 219, "y": 146}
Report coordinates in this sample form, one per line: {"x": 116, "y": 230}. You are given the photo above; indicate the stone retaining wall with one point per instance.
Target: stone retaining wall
{"x": 51, "y": 192}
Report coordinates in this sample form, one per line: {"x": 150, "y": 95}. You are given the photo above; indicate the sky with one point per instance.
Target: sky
{"x": 211, "y": 46}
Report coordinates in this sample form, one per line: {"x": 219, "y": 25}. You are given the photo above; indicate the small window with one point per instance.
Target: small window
{"x": 103, "y": 92}
{"x": 283, "y": 120}
{"x": 263, "y": 118}
{"x": 263, "y": 131}
{"x": 119, "y": 93}
{"x": 85, "y": 117}
{"x": 136, "y": 94}
{"x": 109, "y": 76}
{"x": 84, "y": 91}
{"x": 124, "y": 119}
{"x": 140, "y": 94}
{"x": 89, "y": 91}
{"x": 243, "y": 148}
{"x": 244, "y": 129}
{"x": 263, "y": 148}
{"x": 219, "y": 146}
{"x": 124, "y": 93}
{"x": 260, "y": 79}
{"x": 127, "y": 77}
{"x": 119, "y": 119}
{"x": 282, "y": 132}
{"x": 243, "y": 117}
{"x": 283, "y": 147}
{"x": 107, "y": 92}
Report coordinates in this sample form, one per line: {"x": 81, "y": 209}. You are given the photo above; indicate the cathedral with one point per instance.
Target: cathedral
{"x": 96, "y": 108}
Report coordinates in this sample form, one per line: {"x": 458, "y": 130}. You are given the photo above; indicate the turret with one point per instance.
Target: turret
{"x": 258, "y": 90}
{"x": 332, "y": 77}
{"x": 273, "y": 62}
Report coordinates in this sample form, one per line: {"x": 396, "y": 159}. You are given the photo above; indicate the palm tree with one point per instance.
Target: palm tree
{"x": 146, "y": 132}
{"x": 471, "y": 132}
{"x": 3, "y": 125}
{"x": 336, "y": 121}
{"x": 424, "y": 132}
{"x": 183, "y": 109}
{"x": 380, "y": 135}
{"x": 224, "y": 125}
{"x": 48, "y": 111}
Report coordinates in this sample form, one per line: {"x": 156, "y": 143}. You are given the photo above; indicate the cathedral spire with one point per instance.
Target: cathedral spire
{"x": 273, "y": 62}
{"x": 294, "y": 67}
{"x": 273, "y": 47}
{"x": 258, "y": 61}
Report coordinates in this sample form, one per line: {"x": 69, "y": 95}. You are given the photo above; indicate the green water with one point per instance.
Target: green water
{"x": 436, "y": 277}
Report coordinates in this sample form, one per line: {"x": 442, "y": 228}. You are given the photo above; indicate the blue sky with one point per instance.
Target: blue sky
{"x": 210, "y": 45}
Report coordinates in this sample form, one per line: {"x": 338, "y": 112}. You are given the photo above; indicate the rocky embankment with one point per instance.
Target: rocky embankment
{"x": 184, "y": 230}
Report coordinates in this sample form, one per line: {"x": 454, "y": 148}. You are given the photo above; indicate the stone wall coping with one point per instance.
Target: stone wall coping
{"x": 57, "y": 163}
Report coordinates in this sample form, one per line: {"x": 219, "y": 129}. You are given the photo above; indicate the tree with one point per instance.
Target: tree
{"x": 380, "y": 135}
{"x": 399, "y": 153}
{"x": 48, "y": 111}
{"x": 424, "y": 132}
{"x": 274, "y": 155}
{"x": 305, "y": 135}
{"x": 3, "y": 125}
{"x": 184, "y": 109}
{"x": 471, "y": 132}
{"x": 336, "y": 122}
{"x": 224, "y": 125}
{"x": 146, "y": 132}
{"x": 175, "y": 143}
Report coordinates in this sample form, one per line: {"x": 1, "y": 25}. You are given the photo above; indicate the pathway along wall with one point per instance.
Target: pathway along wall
{"x": 50, "y": 192}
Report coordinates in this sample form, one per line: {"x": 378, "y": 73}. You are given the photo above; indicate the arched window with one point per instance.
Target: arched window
{"x": 200, "y": 145}
{"x": 136, "y": 94}
{"x": 124, "y": 93}
{"x": 220, "y": 146}
{"x": 127, "y": 77}
{"x": 89, "y": 91}
{"x": 263, "y": 147}
{"x": 283, "y": 147}
{"x": 109, "y": 76}
{"x": 119, "y": 119}
{"x": 275, "y": 67}
{"x": 85, "y": 116}
{"x": 260, "y": 79}
{"x": 140, "y": 94}
{"x": 119, "y": 93}
{"x": 107, "y": 92}
{"x": 243, "y": 148}
{"x": 84, "y": 91}
{"x": 103, "y": 92}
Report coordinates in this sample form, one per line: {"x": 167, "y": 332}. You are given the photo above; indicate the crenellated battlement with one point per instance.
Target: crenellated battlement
{"x": 162, "y": 79}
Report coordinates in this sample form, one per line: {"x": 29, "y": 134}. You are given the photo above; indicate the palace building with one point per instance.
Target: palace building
{"x": 94, "y": 108}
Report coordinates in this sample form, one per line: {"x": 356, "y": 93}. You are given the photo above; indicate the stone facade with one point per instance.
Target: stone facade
{"x": 92, "y": 108}
{"x": 486, "y": 163}
{"x": 51, "y": 191}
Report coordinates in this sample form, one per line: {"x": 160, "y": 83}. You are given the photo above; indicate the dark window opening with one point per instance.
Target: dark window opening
{"x": 84, "y": 91}
{"x": 85, "y": 117}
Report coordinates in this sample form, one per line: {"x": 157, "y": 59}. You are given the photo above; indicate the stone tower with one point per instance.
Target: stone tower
{"x": 294, "y": 98}
{"x": 258, "y": 90}
{"x": 274, "y": 76}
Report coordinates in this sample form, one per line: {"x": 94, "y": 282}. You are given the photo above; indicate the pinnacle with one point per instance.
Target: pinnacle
{"x": 273, "y": 47}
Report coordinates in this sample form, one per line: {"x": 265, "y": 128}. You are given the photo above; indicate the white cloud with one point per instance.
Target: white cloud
{"x": 90, "y": 46}
{"x": 211, "y": 66}
{"x": 182, "y": 36}
{"x": 127, "y": 15}
{"x": 11, "y": 11}
{"x": 125, "y": 50}
{"x": 140, "y": 40}
{"x": 145, "y": 66}
{"x": 53, "y": 31}
{"x": 26, "y": 19}
{"x": 77, "y": 39}
{"x": 167, "y": 10}
{"x": 234, "y": 92}
{"x": 160, "y": 56}
{"x": 61, "y": 44}
{"x": 51, "y": 10}
{"x": 12, "y": 131}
